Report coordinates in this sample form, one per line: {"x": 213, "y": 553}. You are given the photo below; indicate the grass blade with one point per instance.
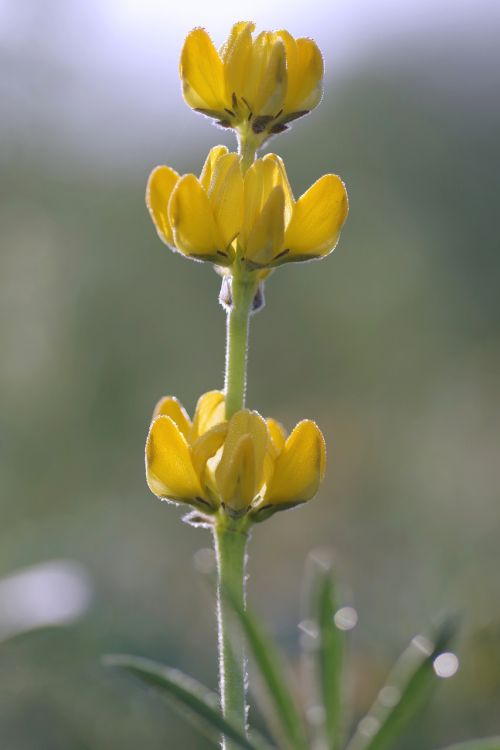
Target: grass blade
{"x": 486, "y": 743}
{"x": 269, "y": 663}
{"x": 329, "y": 655}
{"x": 187, "y": 694}
{"x": 406, "y": 691}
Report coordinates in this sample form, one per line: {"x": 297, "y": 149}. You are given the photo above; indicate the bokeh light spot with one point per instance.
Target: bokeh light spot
{"x": 446, "y": 665}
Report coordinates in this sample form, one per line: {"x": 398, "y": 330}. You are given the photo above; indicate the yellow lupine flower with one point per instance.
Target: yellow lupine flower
{"x": 177, "y": 449}
{"x": 247, "y": 464}
{"x": 279, "y": 229}
{"x": 254, "y": 85}
{"x": 226, "y": 218}
{"x": 199, "y": 217}
{"x": 299, "y": 466}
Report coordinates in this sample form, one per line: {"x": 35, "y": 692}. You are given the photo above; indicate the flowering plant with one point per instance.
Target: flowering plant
{"x": 232, "y": 467}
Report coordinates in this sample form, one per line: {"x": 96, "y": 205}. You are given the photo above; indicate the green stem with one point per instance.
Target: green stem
{"x": 243, "y": 291}
{"x": 230, "y": 535}
{"x": 247, "y": 149}
{"x": 230, "y": 545}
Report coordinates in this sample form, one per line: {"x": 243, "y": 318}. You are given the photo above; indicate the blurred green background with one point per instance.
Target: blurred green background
{"x": 391, "y": 344}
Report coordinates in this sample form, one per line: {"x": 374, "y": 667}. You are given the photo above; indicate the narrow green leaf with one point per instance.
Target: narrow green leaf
{"x": 486, "y": 743}
{"x": 329, "y": 657}
{"x": 269, "y": 663}
{"x": 188, "y": 695}
{"x": 407, "y": 689}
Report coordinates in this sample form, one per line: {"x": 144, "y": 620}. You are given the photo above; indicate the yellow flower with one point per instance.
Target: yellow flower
{"x": 177, "y": 449}
{"x": 255, "y": 85}
{"x": 277, "y": 228}
{"x": 255, "y": 220}
{"x": 246, "y": 465}
{"x": 200, "y": 217}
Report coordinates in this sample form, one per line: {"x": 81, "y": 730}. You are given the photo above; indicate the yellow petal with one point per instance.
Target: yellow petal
{"x": 195, "y": 230}
{"x": 277, "y": 433}
{"x": 237, "y": 30}
{"x": 265, "y": 240}
{"x": 317, "y": 219}
{"x": 267, "y": 75}
{"x": 169, "y": 406}
{"x": 236, "y": 55}
{"x": 305, "y": 84}
{"x": 169, "y": 467}
{"x": 255, "y": 194}
{"x": 161, "y": 183}
{"x": 226, "y": 196}
{"x": 207, "y": 446}
{"x": 299, "y": 468}
{"x": 210, "y": 410}
{"x": 241, "y": 470}
{"x": 202, "y": 73}
{"x": 281, "y": 178}
{"x": 237, "y": 486}
{"x": 291, "y": 62}
{"x": 262, "y": 177}
{"x": 214, "y": 155}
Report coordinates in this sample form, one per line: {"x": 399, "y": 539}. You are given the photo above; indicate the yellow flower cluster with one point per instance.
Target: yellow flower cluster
{"x": 224, "y": 216}
{"x": 237, "y": 214}
{"x": 255, "y": 86}
{"x": 246, "y": 465}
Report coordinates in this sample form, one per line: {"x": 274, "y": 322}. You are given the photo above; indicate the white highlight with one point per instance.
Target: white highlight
{"x": 57, "y": 592}
{"x": 446, "y": 665}
{"x": 346, "y": 618}
{"x": 423, "y": 644}
{"x": 309, "y": 628}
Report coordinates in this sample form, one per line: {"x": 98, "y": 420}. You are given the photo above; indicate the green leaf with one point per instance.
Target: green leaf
{"x": 486, "y": 743}
{"x": 187, "y": 694}
{"x": 269, "y": 663}
{"x": 329, "y": 657}
{"x": 407, "y": 689}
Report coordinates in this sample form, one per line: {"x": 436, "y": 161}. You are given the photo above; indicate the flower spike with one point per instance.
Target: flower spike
{"x": 246, "y": 465}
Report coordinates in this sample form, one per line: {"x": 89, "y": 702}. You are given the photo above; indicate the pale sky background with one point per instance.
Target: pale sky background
{"x": 101, "y": 75}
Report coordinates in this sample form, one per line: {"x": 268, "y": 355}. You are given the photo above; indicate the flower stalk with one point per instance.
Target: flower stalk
{"x": 238, "y": 322}
{"x": 243, "y": 289}
{"x": 230, "y": 535}
{"x": 230, "y": 539}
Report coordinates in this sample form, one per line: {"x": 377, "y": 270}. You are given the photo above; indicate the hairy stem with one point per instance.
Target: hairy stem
{"x": 230, "y": 546}
{"x": 238, "y": 318}
{"x": 230, "y": 535}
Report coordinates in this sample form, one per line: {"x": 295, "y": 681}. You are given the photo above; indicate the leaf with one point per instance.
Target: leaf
{"x": 486, "y": 743}
{"x": 187, "y": 694}
{"x": 408, "y": 687}
{"x": 329, "y": 657}
{"x": 269, "y": 662}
